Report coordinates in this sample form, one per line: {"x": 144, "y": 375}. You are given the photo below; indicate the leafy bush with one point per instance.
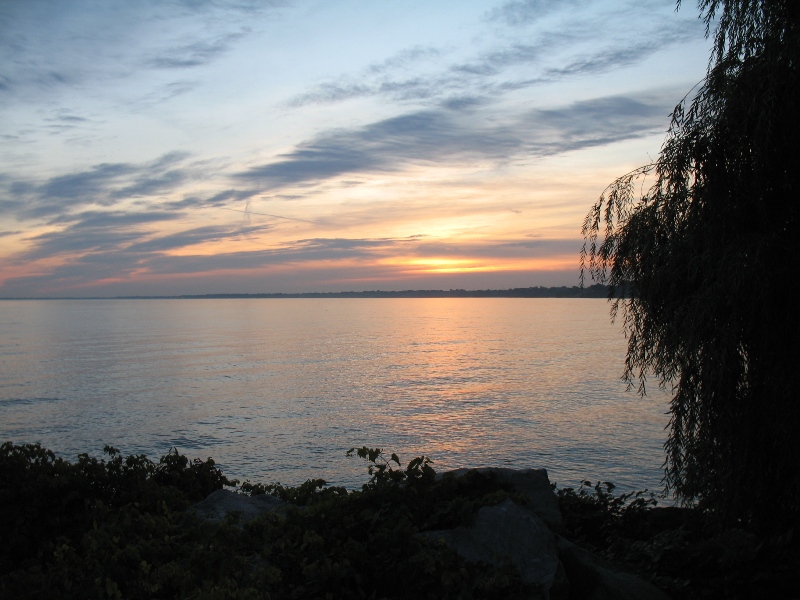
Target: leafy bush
{"x": 688, "y": 552}
{"x": 595, "y": 515}
{"x": 118, "y": 527}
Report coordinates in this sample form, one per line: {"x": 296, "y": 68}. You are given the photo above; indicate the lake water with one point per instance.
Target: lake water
{"x": 279, "y": 389}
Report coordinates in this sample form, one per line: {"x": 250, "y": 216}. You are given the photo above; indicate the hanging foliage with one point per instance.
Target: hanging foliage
{"x": 699, "y": 248}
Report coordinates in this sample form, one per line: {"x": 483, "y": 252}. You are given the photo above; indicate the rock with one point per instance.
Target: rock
{"x": 504, "y": 534}
{"x": 597, "y": 579}
{"x": 218, "y": 504}
{"x": 532, "y": 483}
{"x": 508, "y": 533}
{"x": 732, "y": 546}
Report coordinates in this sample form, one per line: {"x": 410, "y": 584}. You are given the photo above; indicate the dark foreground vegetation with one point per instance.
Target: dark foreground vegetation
{"x": 687, "y": 552}
{"x": 118, "y": 527}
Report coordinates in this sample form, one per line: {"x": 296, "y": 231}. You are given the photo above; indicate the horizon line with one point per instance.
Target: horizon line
{"x": 596, "y": 290}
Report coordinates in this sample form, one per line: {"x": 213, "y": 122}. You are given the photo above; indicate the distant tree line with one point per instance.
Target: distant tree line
{"x": 593, "y": 291}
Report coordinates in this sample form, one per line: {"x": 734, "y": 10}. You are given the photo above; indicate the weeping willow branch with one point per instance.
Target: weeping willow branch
{"x": 694, "y": 247}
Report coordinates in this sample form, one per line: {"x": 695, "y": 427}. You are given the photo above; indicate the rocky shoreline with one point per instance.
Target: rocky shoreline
{"x": 524, "y": 533}
{"x": 133, "y": 528}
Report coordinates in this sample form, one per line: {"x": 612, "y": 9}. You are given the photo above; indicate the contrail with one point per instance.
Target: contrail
{"x": 250, "y": 212}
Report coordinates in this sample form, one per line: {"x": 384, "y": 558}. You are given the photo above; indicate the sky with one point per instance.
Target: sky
{"x": 241, "y": 146}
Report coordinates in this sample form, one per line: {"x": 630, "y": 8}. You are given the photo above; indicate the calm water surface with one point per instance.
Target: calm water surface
{"x": 279, "y": 389}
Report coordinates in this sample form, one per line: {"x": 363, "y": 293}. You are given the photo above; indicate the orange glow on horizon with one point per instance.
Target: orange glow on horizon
{"x": 444, "y": 265}
{"x": 440, "y": 265}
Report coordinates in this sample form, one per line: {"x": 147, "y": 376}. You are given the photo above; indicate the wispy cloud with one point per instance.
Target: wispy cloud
{"x": 405, "y": 59}
{"x": 393, "y": 76}
{"x": 132, "y": 237}
{"x": 366, "y": 250}
{"x": 524, "y": 12}
{"x": 600, "y": 62}
{"x": 47, "y": 46}
{"x": 98, "y": 243}
{"x": 217, "y": 200}
{"x": 199, "y": 235}
{"x": 193, "y": 54}
{"x": 447, "y": 136}
{"x": 92, "y": 233}
{"x": 494, "y": 72}
{"x": 387, "y": 145}
{"x": 103, "y": 185}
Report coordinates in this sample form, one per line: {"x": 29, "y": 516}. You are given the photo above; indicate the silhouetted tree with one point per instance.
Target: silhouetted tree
{"x": 702, "y": 260}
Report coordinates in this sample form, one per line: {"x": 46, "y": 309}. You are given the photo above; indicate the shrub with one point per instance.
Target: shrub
{"x": 118, "y": 527}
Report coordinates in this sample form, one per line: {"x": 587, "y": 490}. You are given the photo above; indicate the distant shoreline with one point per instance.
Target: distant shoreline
{"x": 593, "y": 291}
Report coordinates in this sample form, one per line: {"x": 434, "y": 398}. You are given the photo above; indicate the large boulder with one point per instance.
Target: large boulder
{"x": 532, "y": 483}
{"x": 559, "y": 568}
{"x": 219, "y": 504}
{"x": 598, "y": 579}
{"x": 502, "y": 534}
{"x": 510, "y": 534}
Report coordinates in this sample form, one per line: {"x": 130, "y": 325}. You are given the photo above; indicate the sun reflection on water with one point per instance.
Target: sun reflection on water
{"x": 277, "y": 390}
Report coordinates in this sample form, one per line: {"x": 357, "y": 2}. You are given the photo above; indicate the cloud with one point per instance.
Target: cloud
{"x": 498, "y": 249}
{"x": 104, "y": 250}
{"x": 378, "y": 78}
{"x": 100, "y": 183}
{"x": 63, "y": 121}
{"x": 604, "y": 61}
{"x": 94, "y": 219}
{"x": 463, "y": 103}
{"x": 194, "y": 54}
{"x": 69, "y": 119}
{"x": 446, "y": 136}
{"x": 128, "y": 240}
{"x": 105, "y": 185}
{"x": 149, "y": 186}
{"x": 224, "y": 7}
{"x": 297, "y": 252}
{"x": 49, "y": 45}
{"x": 92, "y": 232}
{"x": 362, "y": 250}
{"x": 387, "y": 145}
{"x": 524, "y": 12}
{"x": 161, "y": 94}
{"x": 191, "y": 237}
{"x": 353, "y": 87}
{"x": 496, "y": 61}
{"x": 410, "y": 88}
{"x": 217, "y": 200}
{"x": 584, "y": 46}
{"x": 405, "y": 59}
{"x": 328, "y": 259}
{"x": 87, "y": 184}
{"x": 599, "y": 122}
